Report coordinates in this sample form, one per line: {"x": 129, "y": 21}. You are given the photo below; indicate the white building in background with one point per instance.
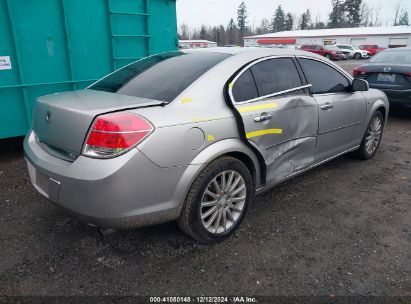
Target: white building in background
{"x": 385, "y": 37}
{"x": 192, "y": 44}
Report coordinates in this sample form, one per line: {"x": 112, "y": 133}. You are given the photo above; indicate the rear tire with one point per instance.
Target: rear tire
{"x": 357, "y": 56}
{"x": 328, "y": 56}
{"x": 372, "y": 137}
{"x": 217, "y": 201}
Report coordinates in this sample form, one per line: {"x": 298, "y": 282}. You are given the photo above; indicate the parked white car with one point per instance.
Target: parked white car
{"x": 354, "y": 51}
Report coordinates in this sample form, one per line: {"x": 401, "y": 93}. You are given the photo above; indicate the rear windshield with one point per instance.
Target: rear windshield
{"x": 161, "y": 77}
{"x": 402, "y": 57}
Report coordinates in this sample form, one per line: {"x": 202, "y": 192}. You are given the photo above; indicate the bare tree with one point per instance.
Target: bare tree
{"x": 397, "y": 12}
{"x": 263, "y": 28}
{"x": 366, "y": 15}
{"x": 377, "y": 19}
{"x": 184, "y": 32}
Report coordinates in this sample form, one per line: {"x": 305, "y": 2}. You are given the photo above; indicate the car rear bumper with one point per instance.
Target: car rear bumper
{"x": 396, "y": 97}
{"x": 123, "y": 192}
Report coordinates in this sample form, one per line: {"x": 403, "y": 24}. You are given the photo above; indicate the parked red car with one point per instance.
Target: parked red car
{"x": 372, "y": 48}
{"x": 328, "y": 51}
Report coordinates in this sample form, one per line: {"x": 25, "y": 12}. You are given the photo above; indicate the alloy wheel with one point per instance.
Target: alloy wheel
{"x": 373, "y": 136}
{"x": 223, "y": 202}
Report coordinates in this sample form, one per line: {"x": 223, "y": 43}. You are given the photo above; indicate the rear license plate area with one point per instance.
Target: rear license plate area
{"x": 42, "y": 181}
{"x": 386, "y": 77}
{"x": 47, "y": 186}
{"x": 39, "y": 180}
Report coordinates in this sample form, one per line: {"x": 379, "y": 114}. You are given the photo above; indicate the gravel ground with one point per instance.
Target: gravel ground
{"x": 342, "y": 229}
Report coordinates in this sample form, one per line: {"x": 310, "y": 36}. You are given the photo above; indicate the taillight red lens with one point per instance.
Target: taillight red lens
{"x": 113, "y": 134}
{"x": 359, "y": 72}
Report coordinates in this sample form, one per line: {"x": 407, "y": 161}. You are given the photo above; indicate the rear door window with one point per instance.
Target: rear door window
{"x": 275, "y": 75}
{"x": 323, "y": 78}
{"x": 161, "y": 77}
{"x": 244, "y": 88}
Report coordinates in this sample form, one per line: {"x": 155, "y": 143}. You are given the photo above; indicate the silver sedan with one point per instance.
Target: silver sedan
{"x": 192, "y": 136}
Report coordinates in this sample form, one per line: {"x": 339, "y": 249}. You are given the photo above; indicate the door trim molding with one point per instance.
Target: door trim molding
{"x": 268, "y": 187}
{"x": 339, "y": 128}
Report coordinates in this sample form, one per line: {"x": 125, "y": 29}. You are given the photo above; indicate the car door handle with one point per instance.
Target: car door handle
{"x": 263, "y": 117}
{"x": 327, "y": 106}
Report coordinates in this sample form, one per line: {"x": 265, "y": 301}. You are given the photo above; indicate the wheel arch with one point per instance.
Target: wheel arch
{"x": 235, "y": 148}
{"x": 383, "y": 110}
{"x": 379, "y": 105}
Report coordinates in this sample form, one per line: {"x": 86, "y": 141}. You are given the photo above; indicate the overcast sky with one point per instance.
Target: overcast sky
{"x": 215, "y": 12}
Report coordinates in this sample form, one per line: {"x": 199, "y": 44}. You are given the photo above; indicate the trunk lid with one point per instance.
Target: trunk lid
{"x": 61, "y": 121}
{"x": 389, "y": 76}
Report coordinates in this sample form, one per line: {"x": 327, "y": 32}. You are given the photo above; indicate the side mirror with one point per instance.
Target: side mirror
{"x": 360, "y": 85}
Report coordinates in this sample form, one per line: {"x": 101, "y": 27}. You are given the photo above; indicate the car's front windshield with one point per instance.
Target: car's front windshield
{"x": 160, "y": 77}
{"x": 394, "y": 56}
{"x": 355, "y": 47}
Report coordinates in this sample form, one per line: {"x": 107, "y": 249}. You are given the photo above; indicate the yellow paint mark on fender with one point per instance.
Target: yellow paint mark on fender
{"x": 186, "y": 100}
{"x": 263, "y": 132}
{"x": 271, "y": 105}
{"x": 210, "y": 137}
{"x": 202, "y": 119}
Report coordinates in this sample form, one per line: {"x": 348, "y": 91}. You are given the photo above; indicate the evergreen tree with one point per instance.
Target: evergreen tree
{"x": 278, "y": 22}
{"x": 232, "y": 32}
{"x": 337, "y": 15}
{"x": 352, "y": 8}
{"x": 222, "y": 35}
{"x": 242, "y": 18}
{"x": 203, "y": 32}
{"x": 305, "y": 20}
{"x": 403, "y": 18}
{"x": 289, "y": 22}
{"x": 319, "y": 25}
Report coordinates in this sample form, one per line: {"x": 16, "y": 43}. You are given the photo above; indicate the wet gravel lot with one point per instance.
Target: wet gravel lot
{"x": 341, "y": 229}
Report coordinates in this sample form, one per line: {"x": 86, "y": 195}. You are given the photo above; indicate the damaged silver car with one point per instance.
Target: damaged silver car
{"x": 192, "y": 136}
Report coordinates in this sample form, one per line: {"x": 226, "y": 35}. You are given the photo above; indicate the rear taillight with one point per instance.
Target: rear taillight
{"x": 114, "y": 134}
{"x": 359, "y": 72}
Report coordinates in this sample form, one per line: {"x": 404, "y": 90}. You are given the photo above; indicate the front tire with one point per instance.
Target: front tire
{"x": 328, "y": 56}
{"x": 372, "y": 137}
{"x": 217, "y": 201}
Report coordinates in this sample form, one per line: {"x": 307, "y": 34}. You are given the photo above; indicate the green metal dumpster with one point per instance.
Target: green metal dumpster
{"x": 50, "y": 46}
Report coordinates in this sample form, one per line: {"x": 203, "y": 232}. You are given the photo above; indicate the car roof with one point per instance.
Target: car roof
{"x": 259, "y": 52}
{"x": 398, "y": 49}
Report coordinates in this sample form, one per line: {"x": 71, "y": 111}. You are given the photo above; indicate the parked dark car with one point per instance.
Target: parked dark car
{"x": 328, "y": 51}
{"x": 371, "y": 48}
{"x": 389, "y": 71}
